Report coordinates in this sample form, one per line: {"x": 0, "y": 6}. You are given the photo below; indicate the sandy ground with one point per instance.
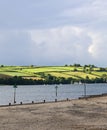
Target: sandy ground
{"x": 80, "y": 114}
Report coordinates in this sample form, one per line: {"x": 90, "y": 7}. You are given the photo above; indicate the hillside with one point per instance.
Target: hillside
{"x": 74, "y": 73}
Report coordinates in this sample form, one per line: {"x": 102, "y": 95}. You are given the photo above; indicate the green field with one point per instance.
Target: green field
{"x": 36, "y": 72}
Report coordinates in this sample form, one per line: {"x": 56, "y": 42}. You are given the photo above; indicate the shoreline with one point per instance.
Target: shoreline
{"x": 75, "y": 114}
{"x": 56, "y": 100}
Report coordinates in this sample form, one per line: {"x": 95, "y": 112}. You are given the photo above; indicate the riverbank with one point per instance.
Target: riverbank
{"x": 78, "y": 114}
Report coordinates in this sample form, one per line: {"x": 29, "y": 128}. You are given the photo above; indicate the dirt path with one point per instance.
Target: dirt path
{"x": 81, "y": 114}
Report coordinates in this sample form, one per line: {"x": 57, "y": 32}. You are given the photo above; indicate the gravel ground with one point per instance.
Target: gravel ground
{"x": 90, "y": 114}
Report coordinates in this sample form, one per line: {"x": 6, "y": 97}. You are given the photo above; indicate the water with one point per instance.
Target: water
{"x": 38, "y": 93}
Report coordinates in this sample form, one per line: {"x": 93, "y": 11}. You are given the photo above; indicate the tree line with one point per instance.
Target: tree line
{"x": 49, "y": 80}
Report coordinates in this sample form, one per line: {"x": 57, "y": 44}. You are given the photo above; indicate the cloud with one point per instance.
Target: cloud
{"x": 47, "y": 46}
{"x": 66, "y": 44}
{"x": 91, "y": 14}
{"x": 53, "y": 32}
{"x": 98, "y": 47}
{"x": 54, "y": 46}
{"x": 69, "y": 44}
{"x": 45, "y": 14}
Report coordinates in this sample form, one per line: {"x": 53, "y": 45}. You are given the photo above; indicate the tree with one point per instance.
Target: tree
{"x": 31, "y": 66}
{"x": 102, "y": 69}
{"x": 2, "y": 65}
{"x": 77, "y": 65}
{"x": 66, "y": 65}
{"x": 75, "y": 69}
{"x": 104, "y": 76}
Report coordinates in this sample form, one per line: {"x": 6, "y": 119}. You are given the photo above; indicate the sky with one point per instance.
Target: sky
{"x": 53, "y": 32}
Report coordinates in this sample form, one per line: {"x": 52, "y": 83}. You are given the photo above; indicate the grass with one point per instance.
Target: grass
{"x": 99, "y": 73}
{"x": 61, "y": 74}
{"x": 14, "y": 73}
{"x": 81, "y": 74}
{"x": 57, "y": 71}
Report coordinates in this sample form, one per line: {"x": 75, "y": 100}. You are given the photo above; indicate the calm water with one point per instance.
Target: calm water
{"x": 38, "y": 93}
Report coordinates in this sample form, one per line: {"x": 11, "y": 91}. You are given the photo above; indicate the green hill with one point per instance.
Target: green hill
{"x": 76, "y": 73}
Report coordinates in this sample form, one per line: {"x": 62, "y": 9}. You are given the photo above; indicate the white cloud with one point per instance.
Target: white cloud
{"x": 94, "y": 47}
{"x": 55, "y": 46}
{"x": 98, "y": 47}
{"x": 53, "y": 32}
{"x": 63, "y": 44}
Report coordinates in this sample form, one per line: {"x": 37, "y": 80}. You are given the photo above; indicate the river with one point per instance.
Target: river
{"x": 39, "y": 93}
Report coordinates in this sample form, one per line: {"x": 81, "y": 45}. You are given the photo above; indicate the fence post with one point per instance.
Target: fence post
{"x": 55, "y": 100}
{"x": 21, "y": 103}
{"x": 85, "y": 94}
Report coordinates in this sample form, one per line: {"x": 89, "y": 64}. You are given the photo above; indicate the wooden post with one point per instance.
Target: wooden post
{"x": 21, "y": 103}
{"x": 15, "y": 86}
{"x": 55, "y": 100}
{"x": 85, "y": 90}
{"x": 56, "y": 87}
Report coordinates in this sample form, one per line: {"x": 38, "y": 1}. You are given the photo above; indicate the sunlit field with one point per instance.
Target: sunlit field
{"x": 34, "y": 72}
